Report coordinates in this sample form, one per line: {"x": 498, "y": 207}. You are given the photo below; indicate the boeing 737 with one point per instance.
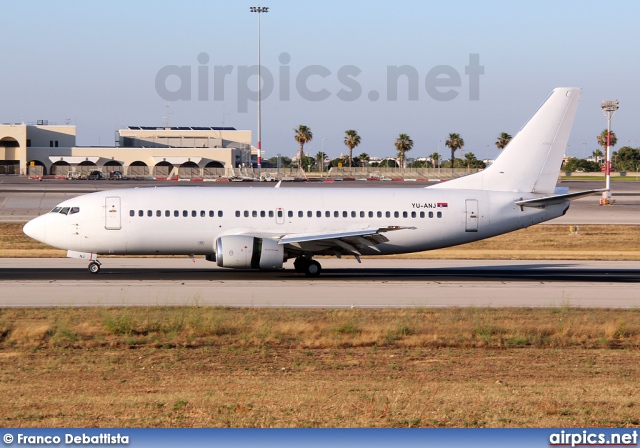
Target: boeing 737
{"x": 262, "y": 228}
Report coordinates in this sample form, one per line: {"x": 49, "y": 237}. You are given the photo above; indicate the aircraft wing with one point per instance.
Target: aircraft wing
{"x": 337, "y": 243}
{"x": 556, "y": 199}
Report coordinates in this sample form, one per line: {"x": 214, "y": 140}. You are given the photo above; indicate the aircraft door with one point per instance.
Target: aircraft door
{"x": 279, "y": 215}
{"x": 471, "y": 215}
{"x": 112, "y": 213}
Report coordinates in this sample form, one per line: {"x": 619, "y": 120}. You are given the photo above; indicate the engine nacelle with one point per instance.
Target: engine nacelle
{"x": 243, "y": 251}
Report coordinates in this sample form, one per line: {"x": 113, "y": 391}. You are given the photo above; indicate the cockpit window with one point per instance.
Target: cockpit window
{"x": 74, "y": 210}
{"x": 65, "y": 210}
{"x": 56, "y": 209}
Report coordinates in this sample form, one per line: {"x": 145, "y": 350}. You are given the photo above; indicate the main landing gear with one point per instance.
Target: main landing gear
{"x": 94, "y": 267}
{"x": 311, "y": 268}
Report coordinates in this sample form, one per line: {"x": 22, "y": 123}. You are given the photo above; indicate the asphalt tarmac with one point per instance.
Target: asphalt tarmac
{"x": 343, "y": 283}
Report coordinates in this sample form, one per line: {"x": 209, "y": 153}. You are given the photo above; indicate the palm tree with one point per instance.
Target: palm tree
{"x": 351, "y": 139}
{"x": 602, "y": 139}
{"x": 503, "y": 140}
{"x": 597, "y": 154}
{"x": 363, "y": 158}
{"x": 455, "y": 142}
{"x": 434, "y": 159}
{"x": 302, "y": 135}
{"x": 321, "y": 157}
{"x": 403, "y": 144}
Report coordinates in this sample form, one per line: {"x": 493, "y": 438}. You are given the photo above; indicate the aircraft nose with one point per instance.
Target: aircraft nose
{"x": 36, "y": 229}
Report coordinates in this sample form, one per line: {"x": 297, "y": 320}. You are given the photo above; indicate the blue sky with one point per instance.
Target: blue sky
{"x": 95, "y": 65}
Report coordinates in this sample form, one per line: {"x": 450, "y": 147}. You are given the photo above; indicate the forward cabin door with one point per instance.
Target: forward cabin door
{"x": 112, "y": 213}
{"x": 472, "y": 215}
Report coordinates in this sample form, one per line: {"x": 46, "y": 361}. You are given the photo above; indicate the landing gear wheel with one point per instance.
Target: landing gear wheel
{"x": 94, "y": 267}
{"x": 312, "y": 269}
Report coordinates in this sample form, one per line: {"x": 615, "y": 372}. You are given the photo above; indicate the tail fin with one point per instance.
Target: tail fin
{"x": 532, "y": 159}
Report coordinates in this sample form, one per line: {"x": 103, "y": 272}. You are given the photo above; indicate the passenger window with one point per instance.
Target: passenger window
{"x": 319, "y": 214}
{"x": 388, "y": 214}
{"x": 336, "y": 214}
{"x": 158, "y": 213}
{"x": 370, "y": 214}
{"x": 439, "y": 214}
{"x": 353, "y": 214}
{"x": 300, "y": 214}
{"x": 309, "y": 214}
{"x": 327, "y": 214}
{"x": 396, "y": 214}
{"x": 405, "y": 215}
{"x": 254, "y": 214}
{"x": 430, "y": 214}
{"x": 185, "y": 213}
{"x": 74, "y": 210}
{"x": 211, "y": 214}
{"x": 167, "y": 213}
{"x": 290, "y": 214}
{"x": 176, "y": 213}
{"x": 149, "y": 213}
{"x": 132, "y": 213}
{"x": 379, "y": 214}
{"x": 362, "y": 214}
{"x": 262, "y": 214}
{"x": 203, "y": 213}
{"x": 140, "y": 212}
{"x": 194, "y": 213}
{"x": 422, "y": 214}
{"x": 345, "y": 215}
{"x": 246, "y": 213}
{"x": 413, "y": 214}
{"x": 271, "y": 213}
{"x": 237, "y": 213}
{"x": 219, "y": 213}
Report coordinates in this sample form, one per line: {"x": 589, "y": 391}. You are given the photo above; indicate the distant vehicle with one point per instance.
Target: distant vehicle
{"x": 73, "y": 175}
{"x": 115, "y": 175}
{"x": 96, "y": 175}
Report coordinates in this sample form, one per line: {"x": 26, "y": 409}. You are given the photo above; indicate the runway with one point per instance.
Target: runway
{"x": 376, "y": 283}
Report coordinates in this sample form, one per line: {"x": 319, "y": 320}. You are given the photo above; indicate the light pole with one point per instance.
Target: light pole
{"x": 609, "y": 108}
{"x": 259, "y": 10}
{"x": 322, "y": 161}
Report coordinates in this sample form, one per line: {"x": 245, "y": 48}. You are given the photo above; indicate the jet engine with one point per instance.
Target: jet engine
{"x": 243, "y": 251}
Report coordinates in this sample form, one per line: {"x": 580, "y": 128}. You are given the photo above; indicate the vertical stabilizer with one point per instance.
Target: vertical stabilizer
{"x": 531, "y": 161}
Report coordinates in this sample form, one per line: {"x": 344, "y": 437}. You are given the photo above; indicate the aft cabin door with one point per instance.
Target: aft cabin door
{"x": 112, "y": 213}
{"x": 472, "y": 215}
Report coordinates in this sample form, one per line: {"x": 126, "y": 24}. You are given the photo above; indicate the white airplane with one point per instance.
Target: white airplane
{"x": 262, "y": 228}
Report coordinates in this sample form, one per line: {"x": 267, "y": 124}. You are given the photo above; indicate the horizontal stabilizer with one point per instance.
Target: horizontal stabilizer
{"x": 556, "y": 199}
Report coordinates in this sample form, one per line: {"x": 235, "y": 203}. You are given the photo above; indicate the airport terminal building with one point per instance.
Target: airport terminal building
{"x": 49, "y": 149}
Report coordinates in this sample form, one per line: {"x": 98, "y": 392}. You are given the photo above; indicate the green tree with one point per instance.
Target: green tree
{"x": 574, "y": 164}
{"x": 597, "y": 154}
{"x": 284, "y": 161}
{"x": 627, "y": 159}
{"x": 602, "y": 139}
{"x": 308, "y": 163}
{"x": 388, "y": 163}
{"x": 403, "y": 144}
{"x": 320, "y": 158}
{"x": 503, "y": 140}
{"x": 454, "y": 143}
{"x": 351, "y": 139}
{"x": 302, "y": 135}
{"x": 435, "y": 157}
{"x": 363, "y": 159}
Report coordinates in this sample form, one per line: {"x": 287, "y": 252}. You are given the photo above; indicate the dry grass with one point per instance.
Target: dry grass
{"x": 550, "y": 242}
{"x": 156, "y": 367}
